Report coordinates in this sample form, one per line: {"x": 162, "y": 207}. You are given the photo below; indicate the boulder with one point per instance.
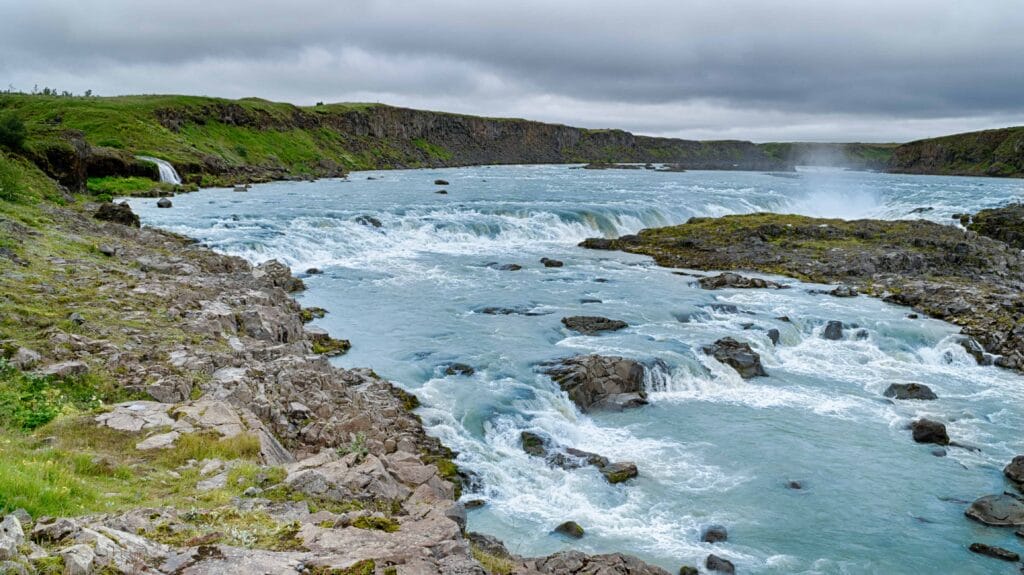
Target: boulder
{"x": 975, "y": 350}
{"x": 719, "y": 565}
{"x": 774, "y": 336}
{"x": 833, "y": 330}
{"x": 999, "y": 510}
{"x": 118, "y": 213}
{"x": 592, "y": 324}
{"x": 66, "y": 369}
{"x": 509, "y": 267}
{"x": 734, "y": 280}
{"x": 442, "y": 192}
{"x": 600, "y": 382}
{"x": 1014, "y": 471}
{"x": 107, "y": 250}
{"x": 714, "y": 534}
{"x": 910, "y": 391}
{"x": 11, "y": 537}
{"x": 688, "y": 570}
{"x": 619, "y": 472}
{"x": 995, "y": 552}
{"x": 459, "y": 369}
{"x": 928, "y": 431}
{"x": 440, "y": 182}
{"x": 25, "y": 358}
{"x": 163, "y": 203}
{"x": 570, "y": 529}
{"x": 550, "y": 263}
{"x": 78, "y": 559}
{"x": 737, "y": 355}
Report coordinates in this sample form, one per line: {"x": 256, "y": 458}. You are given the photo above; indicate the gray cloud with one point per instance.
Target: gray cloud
{"x": 796, "y": 69}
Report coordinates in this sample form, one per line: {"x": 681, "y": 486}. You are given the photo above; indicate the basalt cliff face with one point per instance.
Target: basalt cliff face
{"x": 998, "y": 153}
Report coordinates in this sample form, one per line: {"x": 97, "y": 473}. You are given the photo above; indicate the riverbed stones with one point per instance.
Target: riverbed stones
{"x": 118, "y": 213}
{"x": 592, "y": 324}
{"x": 999, "y": 510}
{"x": 994, "y": 552}
{"x": 737, "y": 355}
{"x": 570, "y": 529}
{"x": 918, "y": 391}
{"x": 719, "y": 565}
{"x": 833, "y": 330}
{"x": 929, "y": 431}
{"x": 595, "y": 382}
{"x": 734, "y": 280}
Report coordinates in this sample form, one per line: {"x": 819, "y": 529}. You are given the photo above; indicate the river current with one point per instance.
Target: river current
{"x": 711, "y": 448}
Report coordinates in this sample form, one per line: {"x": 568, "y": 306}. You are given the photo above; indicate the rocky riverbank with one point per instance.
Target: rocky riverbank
{"x": 940, "y": 270}
{"x": 166, "y": 410}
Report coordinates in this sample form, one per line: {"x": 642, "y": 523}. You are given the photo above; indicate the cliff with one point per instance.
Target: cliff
{"x": 987, "y": 153}
{"x": 212, "y": 140}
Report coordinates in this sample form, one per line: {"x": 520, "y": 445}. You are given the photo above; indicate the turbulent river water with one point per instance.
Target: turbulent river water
{"x": 711, "y": 448}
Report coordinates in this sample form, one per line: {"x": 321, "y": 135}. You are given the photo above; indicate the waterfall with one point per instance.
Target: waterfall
{"x": 167, "y": 172}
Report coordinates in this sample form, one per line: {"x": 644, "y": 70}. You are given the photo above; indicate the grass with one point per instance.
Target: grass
{"x": 493, "y": 564}
{"x": 29, "y": 401}
{"x": 116, "y": 186}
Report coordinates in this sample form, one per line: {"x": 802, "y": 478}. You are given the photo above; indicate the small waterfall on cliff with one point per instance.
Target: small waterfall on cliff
{"x": 168, "y": 174}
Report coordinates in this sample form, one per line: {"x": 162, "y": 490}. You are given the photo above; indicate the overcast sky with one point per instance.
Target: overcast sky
{"x": 817, "y": 70}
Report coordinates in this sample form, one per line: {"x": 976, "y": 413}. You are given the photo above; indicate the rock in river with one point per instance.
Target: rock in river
{"x": 995, "y": 552}
{"x": 1014, "y": 471}
{"x": 592, "y": 324}
{"x": 619, "y": 472}
{"x": 600, "y": 382}
{"x": 737, "y": 355}
{"x": 928, "y": 431}
{"x": 833, "y": 330}
{"x": 570, "y": 529}
{"x": 999, "y": 510}
{"x": 719, "y": 565}
{"x": 459, "y": 369}
{"x": 910, "y": 391}
{"x": 163, "y": 203}
{"x": 733, "y": 280}
{"x": 550, "y": 263}
{"x": 714, "y": 534}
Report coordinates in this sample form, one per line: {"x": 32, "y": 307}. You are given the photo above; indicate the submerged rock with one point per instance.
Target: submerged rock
{"x": 910, "y": 391}
{"x": 737, "y": 355}
{"x": 714, "y": 534}
{"x": 570, "y": 529}
{"x": 999, "y": 510}
{"x": 995, "y": 552}
{"x": 592, "y": 324}
{"x": 368, "y": 221}
{"x": 550, "y": 263}
{"x": 459, "y": 369}
{"x": 774, "y": 336}
{"x": 928, "y": 431}
{"x": 600, "y": 382}
{"x": 440, "y": 182}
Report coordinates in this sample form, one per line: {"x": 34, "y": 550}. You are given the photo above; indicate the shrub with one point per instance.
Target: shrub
{"x": 12, "y": 131}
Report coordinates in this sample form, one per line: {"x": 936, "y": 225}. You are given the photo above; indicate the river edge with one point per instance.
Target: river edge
{"x": 336, "y": 467}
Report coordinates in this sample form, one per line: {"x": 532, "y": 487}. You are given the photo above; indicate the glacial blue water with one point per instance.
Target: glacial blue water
{"x": 711, "y": 448}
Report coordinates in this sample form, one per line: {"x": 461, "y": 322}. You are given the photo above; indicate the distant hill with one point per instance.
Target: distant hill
{"x": 213, "y": 140}
{"x": 997, "y": 153}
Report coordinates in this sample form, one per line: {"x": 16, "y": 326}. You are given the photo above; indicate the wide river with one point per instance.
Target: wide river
{"x": 711, "y": 448}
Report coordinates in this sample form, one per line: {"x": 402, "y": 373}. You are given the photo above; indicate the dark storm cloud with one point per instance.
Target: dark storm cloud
{"x": 763, "y": 70}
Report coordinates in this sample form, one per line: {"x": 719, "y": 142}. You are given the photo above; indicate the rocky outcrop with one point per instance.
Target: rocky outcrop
{"x": 733, "y": 280}
{"x": 940, "y": 270}
{"x": 595, "y": 382}
{"x": 928, "y": 431}
{"x": 1005, "y": 224}
{"x": 997, "y": 153}
{"x": 571, "y": 458}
